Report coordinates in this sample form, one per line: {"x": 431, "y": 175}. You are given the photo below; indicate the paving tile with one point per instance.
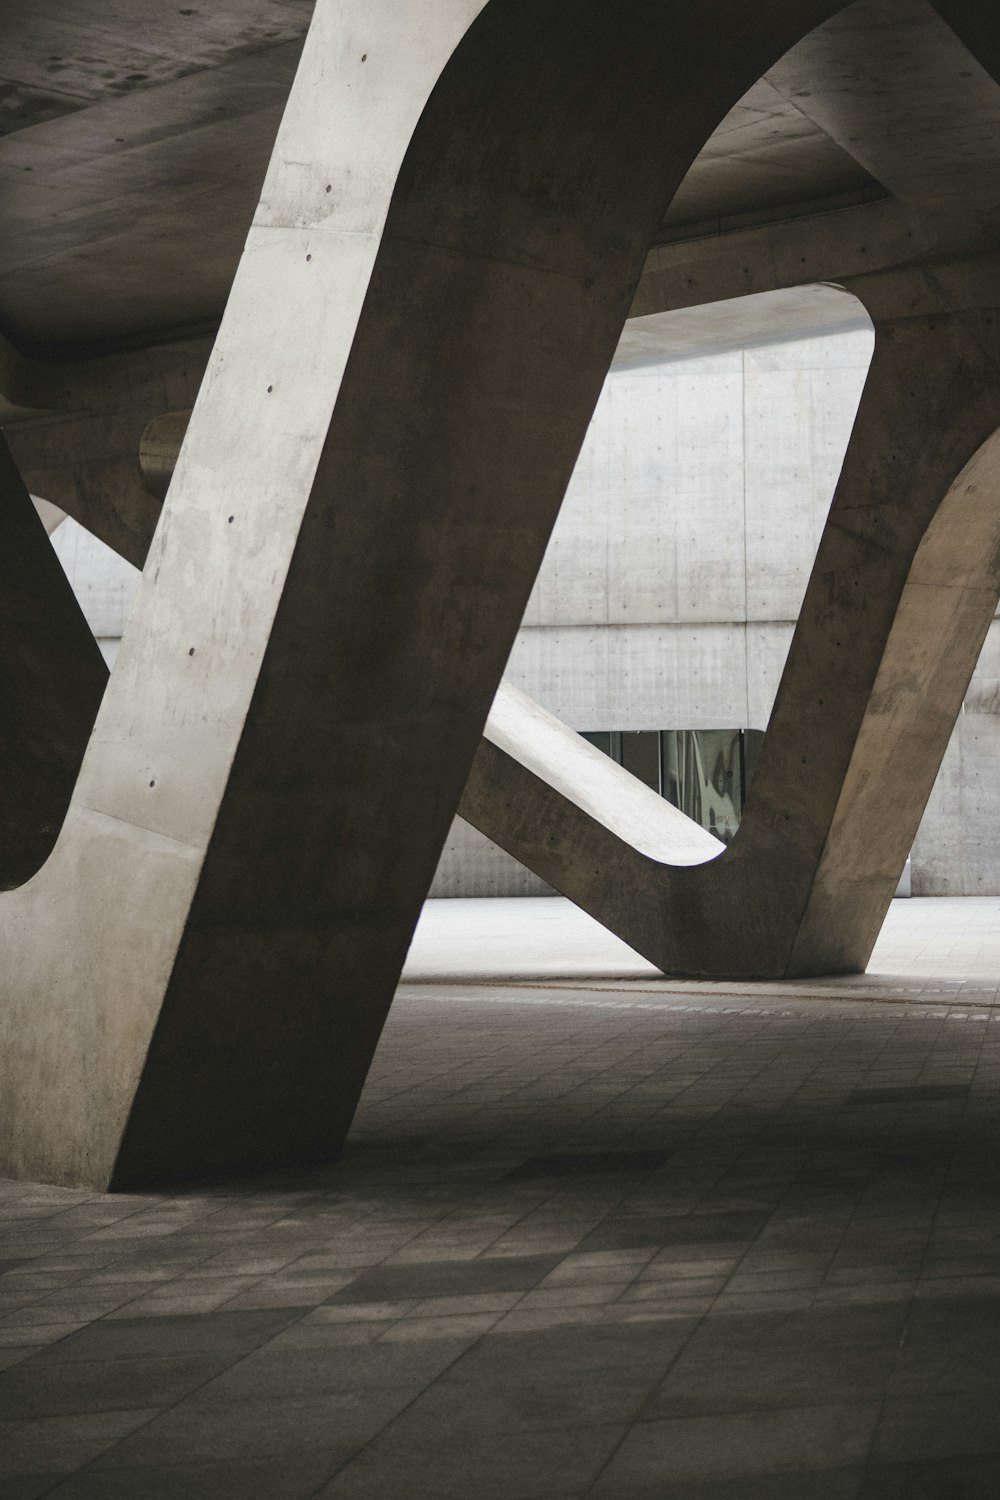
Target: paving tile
{"x": 408, "y": 1460}
{"x": 532, "y": 1397}
{"x": 735, "y": 1445}
{"x": 784, "y": 1267}
{"x": 444, "y": 1278}
{"x": 51, "y": 1387}
{"x": 335, "y": 1423}
{"x": 919, "y": 1093}
{"x": 224, "y": 1331}
{"x": 954, "y": 1479}
{"x": 469, "y": 1327}
{"x": 264, "y": 1479}
{"x": 278, "y": 1369}
{"x": 951, "y": 1343}
{"x": 45, "y": 1445}
{"x": 570, "y": 1163}
{"x": 802, "y": 1484}
{"x": 588, "y": 1343}
{"x": 35, "y": 1335}
{"x": 695, "y": 1229}
{"x": 28, "y": 1486}
{"x": 813, "y": 1356}
{"x": 940, "y": 1425}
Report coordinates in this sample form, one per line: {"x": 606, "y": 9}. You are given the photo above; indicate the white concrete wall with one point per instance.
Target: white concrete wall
{"x": 103, "y": 582}
{"x": 678, "y": 564}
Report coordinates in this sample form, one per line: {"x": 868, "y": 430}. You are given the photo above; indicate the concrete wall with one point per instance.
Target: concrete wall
{"x": 103, "y": 582}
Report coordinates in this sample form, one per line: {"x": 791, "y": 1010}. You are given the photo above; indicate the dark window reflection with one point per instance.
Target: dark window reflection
{"x": 704, "y": 772}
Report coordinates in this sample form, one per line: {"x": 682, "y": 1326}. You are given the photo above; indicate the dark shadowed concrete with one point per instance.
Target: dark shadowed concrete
{"x": 52, "y": 676}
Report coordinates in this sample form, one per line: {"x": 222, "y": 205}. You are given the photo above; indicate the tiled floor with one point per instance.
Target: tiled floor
{"x": 604, "y": 1241}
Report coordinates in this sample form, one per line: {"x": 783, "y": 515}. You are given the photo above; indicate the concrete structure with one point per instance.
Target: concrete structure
{"x": 463, "y": 203}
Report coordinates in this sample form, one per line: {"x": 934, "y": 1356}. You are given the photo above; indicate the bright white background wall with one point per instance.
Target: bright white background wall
{"x": 679, "y": 561}
{"x": 103, "y": 582}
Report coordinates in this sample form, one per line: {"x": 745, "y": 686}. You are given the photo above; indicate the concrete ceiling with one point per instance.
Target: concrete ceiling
{"x": 135, "y": 138}
{"x": 765, "y": 156}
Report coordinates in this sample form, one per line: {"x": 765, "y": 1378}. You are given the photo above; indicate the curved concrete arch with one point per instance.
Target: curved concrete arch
{"x": 359, "y": 508}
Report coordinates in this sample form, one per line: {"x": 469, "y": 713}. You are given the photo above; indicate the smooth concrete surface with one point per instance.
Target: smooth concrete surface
{"x": 856, "y": 873}
{"x": 76, "y": 426}
{"x": 580, "y": 1243}
{"x": 675, "y": 572}
{"x": 104, "y": 583}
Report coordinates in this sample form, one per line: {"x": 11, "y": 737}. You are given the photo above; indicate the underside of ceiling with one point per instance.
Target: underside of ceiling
{"x": 134, "y": 140}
